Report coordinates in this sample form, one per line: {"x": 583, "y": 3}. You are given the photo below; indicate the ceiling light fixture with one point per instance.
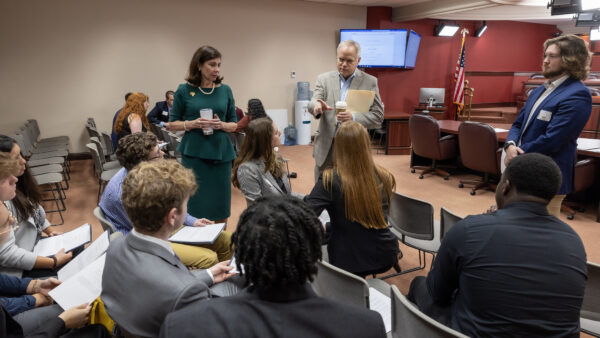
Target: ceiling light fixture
{"x": 587, "y": 5}
{"x": 480, "y": 30}
{"x": 444, "y": 29}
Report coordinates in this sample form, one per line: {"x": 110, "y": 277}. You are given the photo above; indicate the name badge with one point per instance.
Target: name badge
{"x": 165, "y": 113}
{"x": 545, "y": 115}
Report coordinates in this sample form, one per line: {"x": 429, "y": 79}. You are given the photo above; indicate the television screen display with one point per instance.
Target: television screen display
{"x": 379, "y": 47}
{"x": 412, "y": 49}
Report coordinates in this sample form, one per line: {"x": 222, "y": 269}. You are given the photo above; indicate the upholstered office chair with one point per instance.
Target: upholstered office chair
{"x": 427, "y": 142}
{"x": 584, "y": 174}
{"x": 479, "y": 151}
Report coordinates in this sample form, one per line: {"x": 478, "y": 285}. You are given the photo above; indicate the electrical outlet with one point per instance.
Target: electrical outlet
{"x": 293, "y": 75}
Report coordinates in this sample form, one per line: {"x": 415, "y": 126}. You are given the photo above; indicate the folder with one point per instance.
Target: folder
{"x": 198, "y": 235}
{"x": 49, "y": 246}
{"x": 359, "y": 101}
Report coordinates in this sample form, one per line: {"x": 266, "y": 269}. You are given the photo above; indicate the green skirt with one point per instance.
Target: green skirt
{"x": 212, "y": 200}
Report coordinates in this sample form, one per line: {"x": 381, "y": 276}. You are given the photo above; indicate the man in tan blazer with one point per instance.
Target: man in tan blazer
{"x": 333, "y": 86}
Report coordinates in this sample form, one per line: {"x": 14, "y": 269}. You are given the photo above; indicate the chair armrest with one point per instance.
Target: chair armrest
{"x": 447, "y": 137}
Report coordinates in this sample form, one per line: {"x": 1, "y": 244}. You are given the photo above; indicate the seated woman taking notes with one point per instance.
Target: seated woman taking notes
{"x": 356, "y": 193}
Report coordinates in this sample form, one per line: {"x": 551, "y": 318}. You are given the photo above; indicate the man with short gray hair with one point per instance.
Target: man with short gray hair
{"x": 332, "y": 87}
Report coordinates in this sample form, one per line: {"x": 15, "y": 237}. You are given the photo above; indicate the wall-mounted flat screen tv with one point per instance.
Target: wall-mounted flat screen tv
{"x": 412, "y": 49}
{"x": 379, "y": 47}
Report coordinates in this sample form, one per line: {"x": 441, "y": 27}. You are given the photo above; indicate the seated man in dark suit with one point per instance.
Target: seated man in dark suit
{"x": 516, "y": 272}
{"x": 277, "y": 243}
{"x": 162, "y": 110}
{"x": 143, "y": 279}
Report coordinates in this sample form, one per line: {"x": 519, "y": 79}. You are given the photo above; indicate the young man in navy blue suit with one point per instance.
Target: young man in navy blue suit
{"x": 160, "y": 113}
{"x": 555, "y": 113}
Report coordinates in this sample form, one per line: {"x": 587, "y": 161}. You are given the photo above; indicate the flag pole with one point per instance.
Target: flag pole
{"x": 458, "y": 96}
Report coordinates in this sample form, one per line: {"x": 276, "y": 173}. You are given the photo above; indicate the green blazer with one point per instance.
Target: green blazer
{"x": 186, "y": 107}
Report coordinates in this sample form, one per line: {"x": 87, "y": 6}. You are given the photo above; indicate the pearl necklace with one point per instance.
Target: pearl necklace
{"x": 205, "y": 93}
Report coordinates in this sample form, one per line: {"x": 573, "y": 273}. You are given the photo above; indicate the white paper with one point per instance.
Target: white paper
{"x": 69, "y": 240}
{"x": 382, "y": 304}
{"x": 500, "y": 130}
{"x": 324, "y": 217}
{"x": 83, "y": 287}
{"x": 85, "y": 258}
{"x": 233, "y": 264}
{"x": 201, "y": 235}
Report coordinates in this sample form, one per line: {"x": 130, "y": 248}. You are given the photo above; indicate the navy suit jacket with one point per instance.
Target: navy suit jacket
{"x": 518, "y": 272}
{"x": 570, "y": 105}
{"x": 156, "y": 114}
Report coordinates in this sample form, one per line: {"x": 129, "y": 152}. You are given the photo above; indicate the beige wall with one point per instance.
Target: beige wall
{"x": 65, "y": 60}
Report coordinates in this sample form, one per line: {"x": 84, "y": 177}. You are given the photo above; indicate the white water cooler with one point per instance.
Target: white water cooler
{"x": 302, "y": 122}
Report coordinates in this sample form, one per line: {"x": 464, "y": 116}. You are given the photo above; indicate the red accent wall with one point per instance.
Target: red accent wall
{"x": 506, "y": 46}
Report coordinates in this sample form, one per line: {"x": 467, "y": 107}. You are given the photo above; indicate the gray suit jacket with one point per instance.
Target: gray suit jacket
{"x": 142, "y": 282}
{"x": 328, "y": 90}
{"x": 255, "y": 182}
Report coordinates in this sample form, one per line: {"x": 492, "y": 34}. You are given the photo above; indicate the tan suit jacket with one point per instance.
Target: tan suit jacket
{"x": 328, "y": 90}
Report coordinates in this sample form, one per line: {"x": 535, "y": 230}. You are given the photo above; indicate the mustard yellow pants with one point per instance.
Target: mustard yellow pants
{"x": 205, "y": 256}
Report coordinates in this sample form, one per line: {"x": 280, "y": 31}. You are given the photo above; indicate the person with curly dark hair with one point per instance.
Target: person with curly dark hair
{"x": 255, "y": 111}
{"x": 277, "y": 243}
{"x": 132, "y": 150}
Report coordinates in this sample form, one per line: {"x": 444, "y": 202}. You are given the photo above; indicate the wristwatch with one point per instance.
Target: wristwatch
{"x": 508, "y": 144}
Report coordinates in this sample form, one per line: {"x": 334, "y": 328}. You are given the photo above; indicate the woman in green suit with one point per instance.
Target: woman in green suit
{"x": 208, "y": 154}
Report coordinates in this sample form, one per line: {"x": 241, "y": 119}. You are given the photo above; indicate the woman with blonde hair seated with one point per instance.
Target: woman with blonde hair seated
{"x": 132, "y": 118}
{"x": 16, "y": 254}
{"x": 259, "y": 170}
{"x": 26, "y": 309}
{"x": 356, "y": 193}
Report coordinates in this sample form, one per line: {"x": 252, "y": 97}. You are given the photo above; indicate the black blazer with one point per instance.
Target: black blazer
{"x": 351, "y": 246}
{"x": 295, "y": 313}
{"x": 156, "y": 115}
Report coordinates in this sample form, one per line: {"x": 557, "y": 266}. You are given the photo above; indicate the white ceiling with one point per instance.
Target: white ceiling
{"x": 516, "y": 10}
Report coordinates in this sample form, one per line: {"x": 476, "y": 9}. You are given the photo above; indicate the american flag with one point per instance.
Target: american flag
{"x": 459, "y": 76}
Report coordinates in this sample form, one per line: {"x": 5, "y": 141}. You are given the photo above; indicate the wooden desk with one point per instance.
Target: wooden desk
{"x": 397, "y": 141}
{"x": 398, "y": 136}
{"x": 585, "y": 146}
{"x": 451, "y": 127}
{"x": 439, "y": 113}
{"x": 588, "y": 147}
